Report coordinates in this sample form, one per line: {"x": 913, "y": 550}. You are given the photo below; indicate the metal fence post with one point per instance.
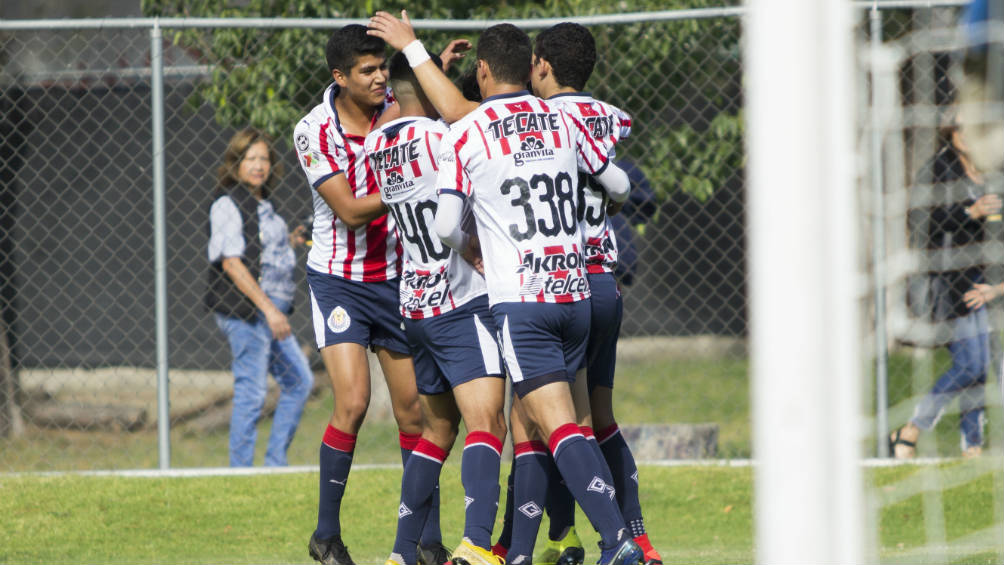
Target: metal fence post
{"x": 878, "y": 233}
{"x": 160, "y": 243}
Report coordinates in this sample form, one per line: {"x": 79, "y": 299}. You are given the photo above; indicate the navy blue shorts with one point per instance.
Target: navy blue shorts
{"x": 541, "y": 342}
{"x": 347, "y": 311}
{"x": 455, "y": 347}
{"x": 604, "y": 329}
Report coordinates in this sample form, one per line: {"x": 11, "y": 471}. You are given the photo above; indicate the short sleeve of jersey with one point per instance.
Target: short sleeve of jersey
{"x": 453, "y": 177}
{"x": 226, "y": 237}
{"x": 590, "y": 155}
{"x": 319, "y": 154}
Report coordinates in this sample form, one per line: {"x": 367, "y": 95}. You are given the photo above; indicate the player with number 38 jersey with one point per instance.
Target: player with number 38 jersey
{"x": 433, "y": 279}
{"x": 516, "y": 157}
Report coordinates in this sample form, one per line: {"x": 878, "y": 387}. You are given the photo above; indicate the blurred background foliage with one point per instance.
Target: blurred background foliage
{"x": 680, "y": 80}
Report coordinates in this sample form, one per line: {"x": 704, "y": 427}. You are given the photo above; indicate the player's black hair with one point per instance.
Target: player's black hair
{"x": 469, "y": 84}
{"x": 571, "y": 51}
{"x": 347, "y": 44}
{"x": 401, "y": 71}
{"x": 506, "y": 50}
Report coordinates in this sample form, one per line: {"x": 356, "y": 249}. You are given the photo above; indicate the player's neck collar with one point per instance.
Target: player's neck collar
{"x": 506, "y": 95}
{"x": 560, "y": 94}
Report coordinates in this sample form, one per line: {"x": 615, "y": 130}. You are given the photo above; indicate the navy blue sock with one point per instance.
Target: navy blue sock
{"x": 479, "y": 473}
{"x": 336, "y": 460}
{"x": 431, "y": 533}
{"x": 418, "y": 485}
{"x": 505, "y": 537}
{"x": 625, "y": 472}
{"x": 560, "y": 504}
{"x": 530, "y": 470}
{"x": 582, "y": 472}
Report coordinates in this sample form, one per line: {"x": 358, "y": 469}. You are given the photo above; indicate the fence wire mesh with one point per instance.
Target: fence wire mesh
{"x": 76, "y": 231}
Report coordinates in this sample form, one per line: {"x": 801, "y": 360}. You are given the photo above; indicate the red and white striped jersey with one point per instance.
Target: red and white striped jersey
{"x": 516, "y": 158}
{"x": 370, "y": 253}
{"x": 434, "y": 278}
{"x": 607, "y": 125}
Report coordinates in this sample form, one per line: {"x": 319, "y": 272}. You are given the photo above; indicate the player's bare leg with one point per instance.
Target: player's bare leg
{"x": 623, "y": 468}
{"x": 400, "y": 376}
{"x": 348, "y": 370}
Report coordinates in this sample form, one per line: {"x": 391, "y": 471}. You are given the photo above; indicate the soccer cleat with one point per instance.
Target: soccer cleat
{"x": 626, "y": 553}
{"x": 329, "y": 551}
{"x": 394, "y": 559}
{"x": 433, "y": 554}
{"x": 469, "y": 554}
{"x": 566, "y": 551}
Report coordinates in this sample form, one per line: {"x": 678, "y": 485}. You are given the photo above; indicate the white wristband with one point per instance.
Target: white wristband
{"x": 416, "y": 53}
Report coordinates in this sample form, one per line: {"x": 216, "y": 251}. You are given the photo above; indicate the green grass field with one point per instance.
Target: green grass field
{"x": 693, "y": 515}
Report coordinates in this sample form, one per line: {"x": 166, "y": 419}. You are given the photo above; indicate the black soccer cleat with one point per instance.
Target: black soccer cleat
{"x": 433, "y": 554}
{"x": 330, "y": 551}
{"x": 572, "y": 556}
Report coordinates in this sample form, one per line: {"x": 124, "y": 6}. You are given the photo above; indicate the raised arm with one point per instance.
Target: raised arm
{"x": 439, "y": 89}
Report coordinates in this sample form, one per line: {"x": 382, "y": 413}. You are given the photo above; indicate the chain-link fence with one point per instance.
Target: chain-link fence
{"x": 78, "y": 226}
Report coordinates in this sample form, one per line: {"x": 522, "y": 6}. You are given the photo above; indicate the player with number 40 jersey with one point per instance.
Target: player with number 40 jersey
{"x": 402, "y": 155}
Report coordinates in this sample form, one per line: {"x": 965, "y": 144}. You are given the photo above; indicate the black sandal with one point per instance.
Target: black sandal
{"x": 895, "y": 440}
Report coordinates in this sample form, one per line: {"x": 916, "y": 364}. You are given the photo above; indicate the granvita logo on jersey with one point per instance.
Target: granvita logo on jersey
{"x": 531, "y": 149}
{"x": 555, "y": 272}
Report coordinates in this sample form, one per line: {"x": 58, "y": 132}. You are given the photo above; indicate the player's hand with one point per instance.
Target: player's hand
{"x": 397, "y": 33}
{"x": 472, "y": 254}
{"x": 454, "y": 52}
{"x": 614, "y": 208}
{"x": 278, "y": 323}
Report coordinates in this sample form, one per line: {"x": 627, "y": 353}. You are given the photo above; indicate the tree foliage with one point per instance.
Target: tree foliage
{"x": 680, "y": 80}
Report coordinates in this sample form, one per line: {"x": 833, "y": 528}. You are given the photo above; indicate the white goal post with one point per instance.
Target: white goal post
{"x": 804, "y": 271}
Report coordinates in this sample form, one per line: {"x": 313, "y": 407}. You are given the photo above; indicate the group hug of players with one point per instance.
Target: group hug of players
{"x": 464, "y": 239}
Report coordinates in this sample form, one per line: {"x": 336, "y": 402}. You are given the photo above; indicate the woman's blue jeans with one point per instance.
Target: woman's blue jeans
{"x": 255, "y": 355}
{"x": 966, "y": 379}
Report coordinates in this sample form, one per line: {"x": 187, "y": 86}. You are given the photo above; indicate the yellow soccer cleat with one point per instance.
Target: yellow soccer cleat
{"x": 469, "y": 554}
{"x": 394, "y": 559}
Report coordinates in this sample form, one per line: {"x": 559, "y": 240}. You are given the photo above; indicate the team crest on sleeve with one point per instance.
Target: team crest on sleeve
{"x": 339, "y": 320}
{"x": 302, "y": 143}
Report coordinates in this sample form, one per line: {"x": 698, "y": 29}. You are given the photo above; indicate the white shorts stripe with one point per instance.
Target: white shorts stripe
{"x": 489, "y": 348}
{"x": 318, "y": 319}
{"x": 510, "y": 354}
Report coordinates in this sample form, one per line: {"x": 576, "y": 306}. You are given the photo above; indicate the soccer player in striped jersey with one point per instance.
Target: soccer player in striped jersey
{"x": 564, "y": 56}
{"x": 449, "y": 327}
{"x": 515, "y": 159}
{"x": 352, "y": 270}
